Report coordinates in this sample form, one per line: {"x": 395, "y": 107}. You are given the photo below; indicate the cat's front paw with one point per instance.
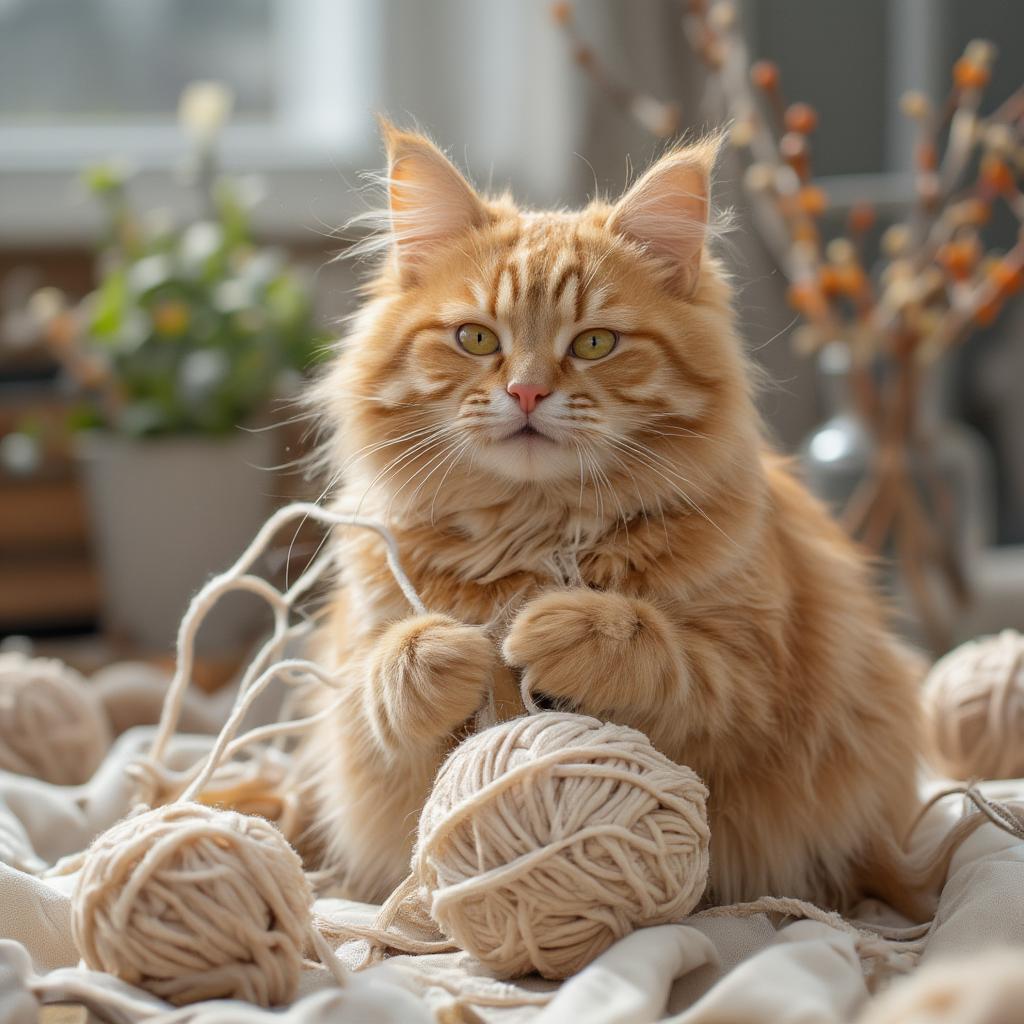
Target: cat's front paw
{"x": 427, "y": 675}
{"x": 592, "y": 650}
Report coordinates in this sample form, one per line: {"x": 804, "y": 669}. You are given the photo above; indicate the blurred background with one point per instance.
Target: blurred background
{"x": 175, "y": 177}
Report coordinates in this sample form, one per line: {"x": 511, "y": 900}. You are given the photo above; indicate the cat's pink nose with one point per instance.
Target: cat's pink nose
{"x": 528, "y": 395}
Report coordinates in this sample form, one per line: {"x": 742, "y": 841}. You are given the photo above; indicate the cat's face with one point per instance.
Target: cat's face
{"x": 563, "y": 349}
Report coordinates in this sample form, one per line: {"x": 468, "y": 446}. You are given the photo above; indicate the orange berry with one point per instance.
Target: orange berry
{"x": 861, "y": 218}
{"x": 927, "y": 156}
{"x": 561, "y": 13}
{"x": 805, "y": 231}
{"x": 996, "y": 174}
{"x": 975, "y": 211}
{"x": 852, "y": 280}
{"x": 793, "y": 149}
{"x": 584, "y": 56}
{"x": 1007, "y": 277}
{"x": 765, "y": 75}
{"x": 968, "y": 74}
{"x": 812, "y": 200}
{"x": 987, "y": 312}
{"x": 807, "y": 299}
{"x": 830, "y": 280}
{"x": 801, "y": 118}
{"x": 960, "y": 257}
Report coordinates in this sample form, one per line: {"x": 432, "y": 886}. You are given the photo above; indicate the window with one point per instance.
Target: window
{"x": 82, "y": 79}
{"x": 86, "y": 80}
{"x": 104, "y": 61}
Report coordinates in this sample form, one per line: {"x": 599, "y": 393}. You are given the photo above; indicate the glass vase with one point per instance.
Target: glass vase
{"x": 926, "y": 554}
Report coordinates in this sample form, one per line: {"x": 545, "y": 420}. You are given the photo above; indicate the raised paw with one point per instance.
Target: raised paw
{"x": 426, "y": 676}
{"x": 595, "y": 651}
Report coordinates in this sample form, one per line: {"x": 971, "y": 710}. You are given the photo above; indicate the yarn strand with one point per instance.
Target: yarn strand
{"x": 233, "y": 578}
{"x": 206, "y": 867}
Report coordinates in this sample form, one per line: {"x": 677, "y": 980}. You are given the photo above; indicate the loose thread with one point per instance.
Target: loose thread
{"x": 264, "y": 669}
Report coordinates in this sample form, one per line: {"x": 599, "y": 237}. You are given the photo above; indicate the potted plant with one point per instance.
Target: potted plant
{"x": 191, "y": 334}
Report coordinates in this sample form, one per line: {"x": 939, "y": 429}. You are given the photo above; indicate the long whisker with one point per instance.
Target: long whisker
{"x": 422, "y": 447}
{"x": 622, "y": 517}
{"x": 335, "y": 477}
{"x": 597, "y": 483}
{"x": 437, "y": 490}
{"x": 662, "y": 466}
{"x": 679, "y": 433}
{"x": 437, "y": 462}
{"x": 636, "y": 486}
{"x": 579, "y": 503}
{"x": 363, "y": 397}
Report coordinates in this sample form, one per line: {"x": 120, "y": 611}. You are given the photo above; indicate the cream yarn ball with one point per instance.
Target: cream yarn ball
{"x": 194, "y": 903}
{"x": 547, "y": 838}
{"x": 52, "y": 725}
{"x": 975, "y": 701}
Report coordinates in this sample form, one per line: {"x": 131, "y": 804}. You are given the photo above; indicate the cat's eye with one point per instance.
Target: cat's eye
{"x": 593, "y": 344}
{"x": 477, "y": 339}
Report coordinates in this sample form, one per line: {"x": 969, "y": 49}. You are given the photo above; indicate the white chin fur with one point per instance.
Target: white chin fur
{"x": 525, "y": 459}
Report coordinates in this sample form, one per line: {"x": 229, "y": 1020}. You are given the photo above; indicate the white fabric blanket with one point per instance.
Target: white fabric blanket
{"x": 704, "y": 970}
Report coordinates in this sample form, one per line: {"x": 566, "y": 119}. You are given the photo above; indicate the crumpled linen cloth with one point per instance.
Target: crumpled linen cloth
{"x": 701, "y": 971}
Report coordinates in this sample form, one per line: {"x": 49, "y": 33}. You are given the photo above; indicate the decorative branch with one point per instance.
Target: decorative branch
{"x": 931, "y": 284}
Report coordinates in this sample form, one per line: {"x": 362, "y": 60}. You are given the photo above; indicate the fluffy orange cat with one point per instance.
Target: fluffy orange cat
{"x": 554, "y": 414}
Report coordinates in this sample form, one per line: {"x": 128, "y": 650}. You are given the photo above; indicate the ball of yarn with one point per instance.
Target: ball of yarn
{"x": 52, "y": 725}
{"x": 975, "y": 701}
{"x": 547, "y": 838}
{"x": 194, "y": 903}
{"x": 978, "y": 988}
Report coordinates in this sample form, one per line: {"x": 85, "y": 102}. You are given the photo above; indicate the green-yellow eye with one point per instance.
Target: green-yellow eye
{"x": 593, "y": 344}
{"x": 477, "y": 339}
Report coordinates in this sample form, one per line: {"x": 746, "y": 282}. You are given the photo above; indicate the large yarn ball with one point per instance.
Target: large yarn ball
{"x": 547, "y": 838}
{"x": 975, "y": 701}
{"x": 194, "y": 903}
{"x": 52, "y": 725}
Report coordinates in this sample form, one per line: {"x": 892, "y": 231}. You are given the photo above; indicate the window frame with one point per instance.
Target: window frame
{"x": 322, "y": 49}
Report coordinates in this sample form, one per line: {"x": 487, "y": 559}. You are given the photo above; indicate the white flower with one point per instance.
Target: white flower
{"x": 199, "y": 242}
{"x": 660, "y": 119}
{"x": 203, "y": 110}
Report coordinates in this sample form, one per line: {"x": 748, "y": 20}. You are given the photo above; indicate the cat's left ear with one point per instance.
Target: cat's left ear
{"x": 430, "y": 201}
{"x": 666, "y": 211}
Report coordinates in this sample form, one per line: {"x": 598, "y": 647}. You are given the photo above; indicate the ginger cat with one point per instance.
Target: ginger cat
{"x": 554, "y": 414}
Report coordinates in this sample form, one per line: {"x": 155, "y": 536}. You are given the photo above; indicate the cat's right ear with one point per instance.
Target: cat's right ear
{"x": 429, "y": 200}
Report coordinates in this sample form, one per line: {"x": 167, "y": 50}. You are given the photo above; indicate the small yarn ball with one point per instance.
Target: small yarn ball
{"x": 193, "y": 903}
{"x": 547, "y": 838}
{"x": 979, "y": 988}
{"x": 975, "y": 701}
{"x": 52, "y": 725}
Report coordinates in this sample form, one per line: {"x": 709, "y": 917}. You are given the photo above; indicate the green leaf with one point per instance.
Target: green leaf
{"x": 104, "y": 179}
{"x": 109, "y": 306}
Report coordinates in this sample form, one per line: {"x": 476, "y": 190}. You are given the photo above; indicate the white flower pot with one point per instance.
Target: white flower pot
{"x": 166, "y": 515}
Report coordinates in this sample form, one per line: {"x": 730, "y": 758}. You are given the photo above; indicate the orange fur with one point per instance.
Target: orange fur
{"x": 649, "y": 560}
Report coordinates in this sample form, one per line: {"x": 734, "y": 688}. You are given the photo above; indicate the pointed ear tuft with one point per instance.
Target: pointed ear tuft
{"x": 666, "y": 211}
{"x": 430, "y": 201}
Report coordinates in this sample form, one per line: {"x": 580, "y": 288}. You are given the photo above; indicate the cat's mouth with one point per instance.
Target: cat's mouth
{"x": 527, "y": 432}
